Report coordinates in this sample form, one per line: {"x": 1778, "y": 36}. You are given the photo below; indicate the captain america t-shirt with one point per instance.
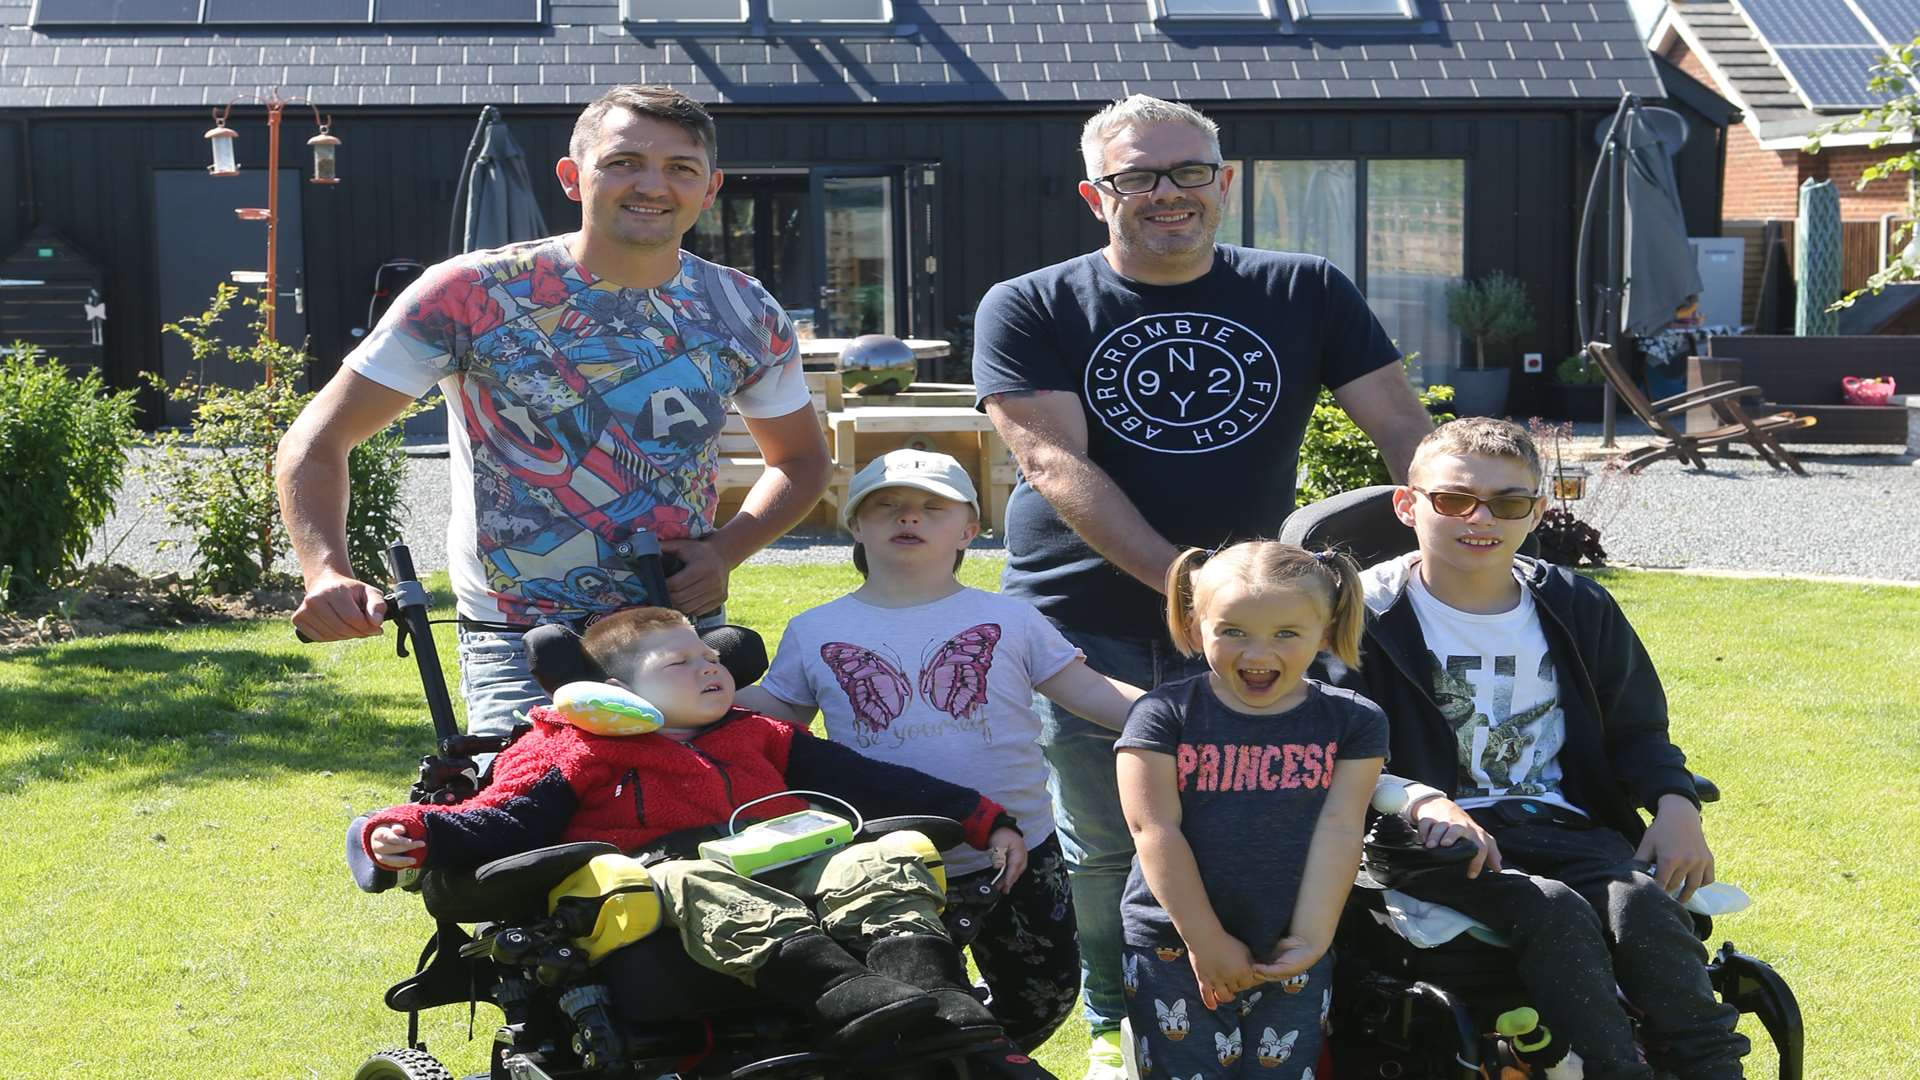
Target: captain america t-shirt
{"x": 1196, "y": 398}
{"x": 579, "y": 411}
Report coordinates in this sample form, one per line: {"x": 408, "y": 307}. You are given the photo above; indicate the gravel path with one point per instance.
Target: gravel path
{"x": 1857, "y": 514}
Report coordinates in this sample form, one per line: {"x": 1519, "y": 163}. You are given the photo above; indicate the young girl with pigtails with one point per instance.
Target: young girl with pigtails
{"x": 1245, "y": 789}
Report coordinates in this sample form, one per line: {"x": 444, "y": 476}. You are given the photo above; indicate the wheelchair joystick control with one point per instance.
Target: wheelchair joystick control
{"x": 1390, "y": 801}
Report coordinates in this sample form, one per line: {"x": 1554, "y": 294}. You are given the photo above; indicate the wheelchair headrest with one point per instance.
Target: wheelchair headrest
{"x": 1360, "y": 522}
{"x": 557, "y": 656}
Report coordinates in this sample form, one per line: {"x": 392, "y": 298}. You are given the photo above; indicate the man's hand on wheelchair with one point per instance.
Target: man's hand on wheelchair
{"x": 1442, "y": 823}
{"x": 1009, "y": 850}
{"x": 338, "y": 607}
{"x": 1676, "y": 845}
{"x": 700, "y": 585}
{"x": 391, "y": 847}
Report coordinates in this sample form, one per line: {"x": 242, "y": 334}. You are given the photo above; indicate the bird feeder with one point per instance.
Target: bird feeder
{"x": 326, "y": 165}
{"x": 222, "y": 136}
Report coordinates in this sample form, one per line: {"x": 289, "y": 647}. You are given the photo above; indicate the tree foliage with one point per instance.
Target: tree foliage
{"x": 215, "y": 479}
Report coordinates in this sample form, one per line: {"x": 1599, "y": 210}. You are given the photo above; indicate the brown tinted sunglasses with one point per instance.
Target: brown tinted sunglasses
{"x": 1463, "y": 503}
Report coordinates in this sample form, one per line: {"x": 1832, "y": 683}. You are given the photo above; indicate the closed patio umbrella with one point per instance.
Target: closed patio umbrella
{"x": 1633, "y": 204}
{"x": 500, "y": 205}
{"x": 1816, "y": 260}
{"x": 1661, "y": 273}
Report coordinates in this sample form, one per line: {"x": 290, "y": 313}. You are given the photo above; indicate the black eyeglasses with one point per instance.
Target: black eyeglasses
{"x": 1463, "y": 503}
{"x": 1141, "y": 181}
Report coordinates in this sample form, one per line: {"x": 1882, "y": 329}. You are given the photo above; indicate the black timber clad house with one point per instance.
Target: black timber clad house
{"x": 882, "y": 173}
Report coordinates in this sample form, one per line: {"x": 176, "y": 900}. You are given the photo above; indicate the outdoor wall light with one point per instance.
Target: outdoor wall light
{"x": 222, "y": 136}
{"x": 326, "y": 165}
{"x": 1569, "y": 482}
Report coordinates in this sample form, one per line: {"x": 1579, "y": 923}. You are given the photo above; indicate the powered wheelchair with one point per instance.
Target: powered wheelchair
{"x": 562, "y": 944}
{"x": 1401, "y": 1011}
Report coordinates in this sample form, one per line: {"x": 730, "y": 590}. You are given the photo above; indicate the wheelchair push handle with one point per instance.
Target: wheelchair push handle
{"x": 641, "y": 553}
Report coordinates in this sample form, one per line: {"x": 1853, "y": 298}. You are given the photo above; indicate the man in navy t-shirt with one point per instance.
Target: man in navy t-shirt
{"x": 1155, "y": 393}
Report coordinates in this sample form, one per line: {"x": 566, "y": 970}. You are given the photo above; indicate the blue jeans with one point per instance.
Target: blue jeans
{"x": 1086, "y": 809}
{"x": 495, "y": 679}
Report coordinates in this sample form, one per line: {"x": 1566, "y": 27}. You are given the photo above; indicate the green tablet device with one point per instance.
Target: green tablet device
{"x": 781, "y": 841}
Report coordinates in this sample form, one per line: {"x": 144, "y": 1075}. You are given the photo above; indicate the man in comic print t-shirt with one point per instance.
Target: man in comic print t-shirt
{"x": 587, "y": 379}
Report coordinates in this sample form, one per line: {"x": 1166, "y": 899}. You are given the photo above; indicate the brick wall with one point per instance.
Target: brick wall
{"x": 1764, "y": 185}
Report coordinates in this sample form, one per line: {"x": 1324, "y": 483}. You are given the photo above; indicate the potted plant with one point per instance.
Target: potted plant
{"x": 1575, "y": 393}
{"x": 1491, "y": 310}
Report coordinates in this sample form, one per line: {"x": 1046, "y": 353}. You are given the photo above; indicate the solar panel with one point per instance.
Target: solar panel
{"x": 1806, "y": 22}
{"x": 1833, "y": 78}
{"x": 114, "y": 12}
{"x": 1897, "y": 20}
{"x": 456, "y": 11}
{"x": 274, "y": 12}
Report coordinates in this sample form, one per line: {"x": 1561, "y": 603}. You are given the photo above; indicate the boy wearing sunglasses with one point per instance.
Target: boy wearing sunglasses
{"x": 1532, "y": 722}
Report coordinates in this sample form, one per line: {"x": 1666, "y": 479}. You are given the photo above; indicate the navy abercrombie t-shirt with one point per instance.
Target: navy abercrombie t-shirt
{"x": 1196, "y": 398}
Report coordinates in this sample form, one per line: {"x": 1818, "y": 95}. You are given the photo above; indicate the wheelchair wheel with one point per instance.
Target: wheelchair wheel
{"x": 402, "y": 1065}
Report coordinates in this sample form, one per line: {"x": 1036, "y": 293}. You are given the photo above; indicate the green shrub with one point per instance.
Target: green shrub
{"x": 1337, "y": 456}
{"x": 376, "y": 482}
{"x": 63, "y": 448}
{"x": 216, "y": 479}
{"x": 1579, "y": 370}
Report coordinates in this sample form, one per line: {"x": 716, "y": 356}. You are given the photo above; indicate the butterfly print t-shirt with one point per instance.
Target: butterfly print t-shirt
{"x": 1251, "y": 788}
{"x": 577, "y": 410}
{"x": 945, "y": 687}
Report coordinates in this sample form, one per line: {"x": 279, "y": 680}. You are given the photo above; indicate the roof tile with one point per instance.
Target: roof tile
{"x": 962, "y": 50}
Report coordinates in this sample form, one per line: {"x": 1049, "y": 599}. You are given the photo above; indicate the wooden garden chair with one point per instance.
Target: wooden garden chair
{"x": 1670, "y": 438}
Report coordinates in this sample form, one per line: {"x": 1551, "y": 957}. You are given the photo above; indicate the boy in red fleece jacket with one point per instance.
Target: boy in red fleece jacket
{"x": 559, "y": 783}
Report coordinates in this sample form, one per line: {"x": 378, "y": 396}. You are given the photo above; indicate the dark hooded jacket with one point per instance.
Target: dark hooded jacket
{"x": 1617, "y": 756}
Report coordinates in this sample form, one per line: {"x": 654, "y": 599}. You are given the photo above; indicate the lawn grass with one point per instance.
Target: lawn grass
{"x": 172, "y": 807}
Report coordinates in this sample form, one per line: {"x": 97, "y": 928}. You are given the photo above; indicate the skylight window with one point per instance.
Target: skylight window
{"x": 1210, "y": 9}
{"x": 1352, "y": 9}
{"x": 868, "y": 11}
{"x": 679, "y": 11}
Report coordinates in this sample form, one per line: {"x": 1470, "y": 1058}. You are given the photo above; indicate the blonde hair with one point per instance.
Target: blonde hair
{"x": 1138, "y": 111}
{"x": 1195, "y": 574}
{"x": 1478, "y": 435}
{"x": 616, "y": 641}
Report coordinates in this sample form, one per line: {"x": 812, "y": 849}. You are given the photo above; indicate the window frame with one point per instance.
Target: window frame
{"x": 1302, "y": 12}
{"x": 1246, "y": 164}
{"x": 757, "y": 15}
{"x": 885, "y": 19}
{"x": 629, "y": 18}
{"x": 1157, "y": 12}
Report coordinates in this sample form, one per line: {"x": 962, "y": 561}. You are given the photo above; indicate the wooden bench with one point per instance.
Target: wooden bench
{"x": 1802, "y": 375}
{"x": 871, "y": 430}
{"x": 741, "y": 462}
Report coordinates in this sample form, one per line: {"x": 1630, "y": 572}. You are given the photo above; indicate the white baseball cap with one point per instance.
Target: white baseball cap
{"x": 936, "y": 474}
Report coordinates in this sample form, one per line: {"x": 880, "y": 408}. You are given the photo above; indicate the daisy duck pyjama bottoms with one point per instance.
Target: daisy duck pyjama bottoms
{"x": 1272, "y": 1031}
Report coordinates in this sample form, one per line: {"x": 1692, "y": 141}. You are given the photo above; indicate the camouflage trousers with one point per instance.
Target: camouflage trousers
{"x": 731, "y": 923}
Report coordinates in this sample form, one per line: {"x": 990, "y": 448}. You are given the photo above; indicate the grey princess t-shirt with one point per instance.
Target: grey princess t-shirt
{"x": 1251, "y": 788}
